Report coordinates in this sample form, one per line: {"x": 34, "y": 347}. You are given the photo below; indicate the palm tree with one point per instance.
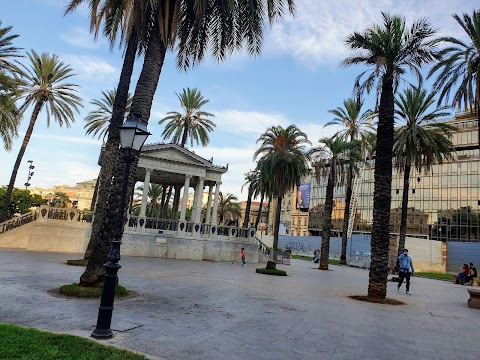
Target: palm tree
{"x": 331, "y": 161}
{"x": 45, "y": 86}
{"x": 250, "y": 179}
{"x": 193, "y": 123}
{"x": 9, "y": 113}
{"x": 98, "y": 120}
{"x": 60, "y": 200}
{"x": 356, "y": 126}
{"x": 459, "y": 67}
{"x": 285, "y": 163}
{"x": 154, "y": 206}
{"x": 228, "y": 207}
{"x": 419, "y": 142}
{"x": 114, "y": 19}
{"x": 191, "y": 28}
{"x": 388, "y": 50}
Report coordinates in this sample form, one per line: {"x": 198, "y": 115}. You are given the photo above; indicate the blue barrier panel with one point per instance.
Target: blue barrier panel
{"x": 459, "y": 253}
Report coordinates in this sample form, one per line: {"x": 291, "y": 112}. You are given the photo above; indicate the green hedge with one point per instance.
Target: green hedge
{"x": 89, "y": 292}
{"x": 272, "y": 272}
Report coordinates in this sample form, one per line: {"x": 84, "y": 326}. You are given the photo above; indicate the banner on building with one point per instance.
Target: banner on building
{"x": 303, "y": 196}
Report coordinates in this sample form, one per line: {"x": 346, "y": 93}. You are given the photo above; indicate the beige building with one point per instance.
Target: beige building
{"x": 191, "y": 197}
{"x": 254, "y": 208}
{"x": 80, "y": 195}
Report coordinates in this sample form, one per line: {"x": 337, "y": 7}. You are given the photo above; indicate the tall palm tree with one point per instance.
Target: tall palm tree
{"x": 459, "y": 67}
{"x": 114, "y": 18}
{"x": 98, "y": 120}
{"x": 356, "y": 125}
{"x": 191, "y": 28}
{"x": 250, "y": 179}
{"x": 388, "y": 50}
{"x": 193, "y": 123}
{"x": 419, "y": 142}
{"x": 9, "y": 113}
{"x": 332, "y": 160}
{"x": 45, "y": 86}
{"x": 228, "y": 207}
{"x": 285, "y": 163}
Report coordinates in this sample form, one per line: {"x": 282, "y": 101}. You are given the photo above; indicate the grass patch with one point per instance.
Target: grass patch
{"x": 385, "y": 301}
{"x": 89, "y": 292}
{"x": 272, "y": 272}
{"x": 435, "y": 275}
{"x": 22, "y": 343}
{"x": 310, "y": 258}
{"x": 79, "y": 262}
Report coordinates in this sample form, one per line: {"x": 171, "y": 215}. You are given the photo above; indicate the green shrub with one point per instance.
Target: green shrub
{"x": 89, "y": 292}
{"x": 272, "y": 272}
{"x": 79, "y": 262}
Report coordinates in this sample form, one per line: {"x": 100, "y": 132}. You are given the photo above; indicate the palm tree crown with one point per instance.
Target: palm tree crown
{"x": 390, "y": 50}
{"x": 420, "y": 141}
{"x": 98, "y": 120}
{"x": 355, "y": 123}
{"x": 459, "y": 67}
{"x": 193, "y": 123}
{"x": 45, "y": 83}
{"x": 9, "y": 114}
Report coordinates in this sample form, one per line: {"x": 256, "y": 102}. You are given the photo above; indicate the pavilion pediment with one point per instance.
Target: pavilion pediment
{"x": 174, "y": 153}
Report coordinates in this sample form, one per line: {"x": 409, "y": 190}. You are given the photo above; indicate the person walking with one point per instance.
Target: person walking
{"x": 242, "y": 254}
{"x": 406, "y": 270}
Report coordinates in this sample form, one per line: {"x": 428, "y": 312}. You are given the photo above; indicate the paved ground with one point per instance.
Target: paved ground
{"x": 204, "y": 310}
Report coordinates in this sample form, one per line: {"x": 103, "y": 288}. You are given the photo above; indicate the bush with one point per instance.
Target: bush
{"x": 79, "y": 262}
{"x": 272, "y": 272}
{"x": 89, "y": 292}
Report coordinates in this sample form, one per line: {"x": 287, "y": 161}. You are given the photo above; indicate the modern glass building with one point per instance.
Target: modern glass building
{"x": 444, "y": 204}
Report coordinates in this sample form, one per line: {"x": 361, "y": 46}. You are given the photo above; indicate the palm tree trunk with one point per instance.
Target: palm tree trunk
{"x": 5, "y": 211}
{"x": 95, "y": 192}
{"x": 346, "y": 214}
{"x": 327, "y": 224}
{"x": 184, "y": 135}
{"x": 110, "y": 156}
{"x": 246, "y": 221}
{"x": 268, "y": 214}
{"x": 259, "y": 215}
{"x": 277, "y": 223}
{"x": 141, "y": 105}
{"x": 382, "y": 197}
{"x": 403, "y": 221}
{"x": 162, "y": 200}
{"x": 167, "y": 201}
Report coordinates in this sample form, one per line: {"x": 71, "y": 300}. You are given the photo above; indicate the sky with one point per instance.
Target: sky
{"x": 295, "y": 80}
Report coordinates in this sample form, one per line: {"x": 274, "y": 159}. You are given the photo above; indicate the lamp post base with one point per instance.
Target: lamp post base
{"x": 102, "y": 334}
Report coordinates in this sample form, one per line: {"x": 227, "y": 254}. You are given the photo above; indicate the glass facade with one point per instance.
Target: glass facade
{"x": 443, "y": 204}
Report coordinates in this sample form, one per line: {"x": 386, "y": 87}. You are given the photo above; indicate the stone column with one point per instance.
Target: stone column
{"x": 209, "y": 205}
{"x": 176, "y": 200}
{"x": 215, "y": 203}
{"x": 146, "y": 187}
{"x": 186, "y": 186}
{"x": 198, "y": 200}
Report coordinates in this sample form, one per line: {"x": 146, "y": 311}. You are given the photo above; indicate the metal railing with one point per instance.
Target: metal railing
{"x": 18, "y": 221}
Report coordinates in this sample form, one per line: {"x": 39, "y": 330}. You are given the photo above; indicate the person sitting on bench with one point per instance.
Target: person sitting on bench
{"x": 462, "y": 276}
{"x": 472, "y": 274}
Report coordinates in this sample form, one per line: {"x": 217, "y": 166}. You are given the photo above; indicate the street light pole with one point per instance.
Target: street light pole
{"x": 27, "y": 184}
{"x": 133, "y": 134}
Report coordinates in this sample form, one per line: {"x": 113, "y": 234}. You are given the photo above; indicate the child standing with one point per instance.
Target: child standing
{"x": 242, "y": 253}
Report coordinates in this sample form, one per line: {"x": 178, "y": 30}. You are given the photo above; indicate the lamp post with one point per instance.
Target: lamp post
{"x": 133, "y": 134}
{"x": 27, "y": 184}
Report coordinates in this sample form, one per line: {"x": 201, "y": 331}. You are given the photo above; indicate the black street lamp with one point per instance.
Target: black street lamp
{"x": 27, "y": 184}
{"x": 133, "y": 134}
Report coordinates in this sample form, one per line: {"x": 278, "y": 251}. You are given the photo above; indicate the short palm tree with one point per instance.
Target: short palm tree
{"x": 60, "y": 200}
{"x": 228, "y": 207}
{"x": 192, "y": 124}
{"x": 388, "y": 50}
{"x": 9, "y": 113}
{"x": 154, "y": 205}
{"x": 356, "y": 125}
{"x": 420, "y": 142}
{"x": 285, "y": 163}
{"x": 251, "y": 179}
{"x": 332, "y": 160}
{"x": 98, "y": 120}
{"x": 459, "y": 67}
{"x": 45, "y": 86}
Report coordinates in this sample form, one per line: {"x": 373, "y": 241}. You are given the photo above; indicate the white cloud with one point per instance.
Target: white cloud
{"x": 70, "y": 139}
{"x": 317, "y": 32}
{"x": 247, "y": 122}
{"x": 80, "y": 37}
{"x": 90, "y": 67}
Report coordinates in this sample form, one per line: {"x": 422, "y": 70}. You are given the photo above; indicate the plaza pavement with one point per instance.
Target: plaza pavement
{"x": 206, "y": 310}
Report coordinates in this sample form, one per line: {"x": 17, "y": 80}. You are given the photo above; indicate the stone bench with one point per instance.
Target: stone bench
{"x": 472, "y": 282}
{"x": 474, "y": 301}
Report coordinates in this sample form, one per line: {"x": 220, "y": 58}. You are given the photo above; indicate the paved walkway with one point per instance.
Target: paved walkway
{"x": 205, "y": 310}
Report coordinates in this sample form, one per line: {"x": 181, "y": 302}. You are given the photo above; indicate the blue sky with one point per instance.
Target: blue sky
{"x": 296, "y": 80}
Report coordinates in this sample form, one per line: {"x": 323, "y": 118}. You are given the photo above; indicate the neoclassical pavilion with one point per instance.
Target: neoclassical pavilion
{"x": 182, "y": 169}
